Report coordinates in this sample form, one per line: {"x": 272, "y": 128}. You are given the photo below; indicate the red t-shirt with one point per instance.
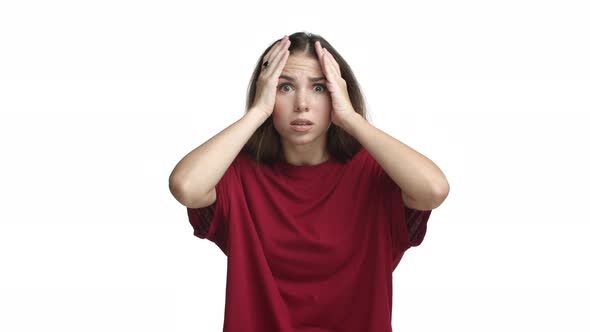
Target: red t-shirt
{"x": 309, "y": 248}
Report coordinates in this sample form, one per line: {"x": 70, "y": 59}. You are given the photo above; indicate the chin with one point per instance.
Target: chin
{"x": 304, "y": 139}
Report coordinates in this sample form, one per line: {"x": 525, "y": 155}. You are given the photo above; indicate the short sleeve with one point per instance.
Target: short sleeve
{"x": 211, "y": 222}
{"x": 408, "y": 226}
{"x": 415, "y": 225}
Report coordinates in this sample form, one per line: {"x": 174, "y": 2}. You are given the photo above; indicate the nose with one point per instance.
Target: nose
{"x": 302, "y": 101}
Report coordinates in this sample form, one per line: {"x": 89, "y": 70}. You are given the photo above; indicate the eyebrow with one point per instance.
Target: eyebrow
{"x": 313, "y": 79}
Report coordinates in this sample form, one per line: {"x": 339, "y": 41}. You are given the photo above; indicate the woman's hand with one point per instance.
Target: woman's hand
{"x": 266, "y": 85}
{"x": 341, "y": 105}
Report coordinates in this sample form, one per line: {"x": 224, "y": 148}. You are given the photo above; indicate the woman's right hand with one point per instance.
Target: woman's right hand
{"x": 266, "y": 85}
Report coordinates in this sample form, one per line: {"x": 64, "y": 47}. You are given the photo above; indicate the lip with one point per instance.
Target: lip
{"x": 301, "y": 120}
{"x": 301, "y": 128}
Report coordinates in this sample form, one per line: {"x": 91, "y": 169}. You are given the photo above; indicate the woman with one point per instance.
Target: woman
{"x": 313, "y": 206}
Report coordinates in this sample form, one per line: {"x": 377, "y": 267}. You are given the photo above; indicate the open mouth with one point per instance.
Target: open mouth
{"x": 301, "y": 127}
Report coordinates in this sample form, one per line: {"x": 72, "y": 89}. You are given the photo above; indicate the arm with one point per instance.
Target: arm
{"x": 195, "y": 176}
{"x": 423, "y": 184}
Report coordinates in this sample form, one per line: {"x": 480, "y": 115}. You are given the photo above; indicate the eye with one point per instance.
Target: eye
{"x": 323, "y": 87}
{"x": 282, "y": 85}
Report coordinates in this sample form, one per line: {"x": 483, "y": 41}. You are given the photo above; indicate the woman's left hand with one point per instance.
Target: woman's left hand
{"x": 341, "y": 105}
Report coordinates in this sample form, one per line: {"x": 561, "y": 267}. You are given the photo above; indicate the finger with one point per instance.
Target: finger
{"x": 318, "y": 49}
{"x": 276, "y": 49}
{"x": 330, "y": 69}
{"x": 273, "y": 50}
{"x": 276, "y": 67}
{"x": 333, "y": 62}
{"x": 278, "y": 60}
{"x": 320, "y": 52}
{"x": 327, "y": 60}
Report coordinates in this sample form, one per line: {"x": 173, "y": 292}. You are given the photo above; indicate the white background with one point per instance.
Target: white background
{"x": 100, "y": 100}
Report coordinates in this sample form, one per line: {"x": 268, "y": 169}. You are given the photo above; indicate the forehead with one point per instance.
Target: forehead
{"x": 302, "y": 65}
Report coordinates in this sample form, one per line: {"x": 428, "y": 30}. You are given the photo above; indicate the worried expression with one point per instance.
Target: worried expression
{"x": 302, "y": 94}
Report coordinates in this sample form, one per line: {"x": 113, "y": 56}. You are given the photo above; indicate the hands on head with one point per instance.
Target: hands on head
{"x": 273, "y": 65}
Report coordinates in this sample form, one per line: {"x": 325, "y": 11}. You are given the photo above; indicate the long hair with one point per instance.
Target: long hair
{"x": 265, "y": 144}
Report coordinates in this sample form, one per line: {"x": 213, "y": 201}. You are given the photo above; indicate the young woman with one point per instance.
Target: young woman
{"x": 313, "y": 206}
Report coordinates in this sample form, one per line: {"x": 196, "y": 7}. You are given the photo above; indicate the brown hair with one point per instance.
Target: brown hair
{"x": 265, "y": 144}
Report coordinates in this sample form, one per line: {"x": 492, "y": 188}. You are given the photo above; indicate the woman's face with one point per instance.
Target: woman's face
{"x": 299, "y": 95}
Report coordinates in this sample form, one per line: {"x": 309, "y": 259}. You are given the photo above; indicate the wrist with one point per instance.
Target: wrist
{"x": 350, "y": 122}
{"x": 259, "y": 115}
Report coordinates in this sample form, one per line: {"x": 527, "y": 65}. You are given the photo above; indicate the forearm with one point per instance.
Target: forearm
{"x": 197, "y": 173}
{"x": 416, "y": 175}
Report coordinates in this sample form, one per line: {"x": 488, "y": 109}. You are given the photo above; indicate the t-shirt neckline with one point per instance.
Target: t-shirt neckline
{"x": 305, "y": 170}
